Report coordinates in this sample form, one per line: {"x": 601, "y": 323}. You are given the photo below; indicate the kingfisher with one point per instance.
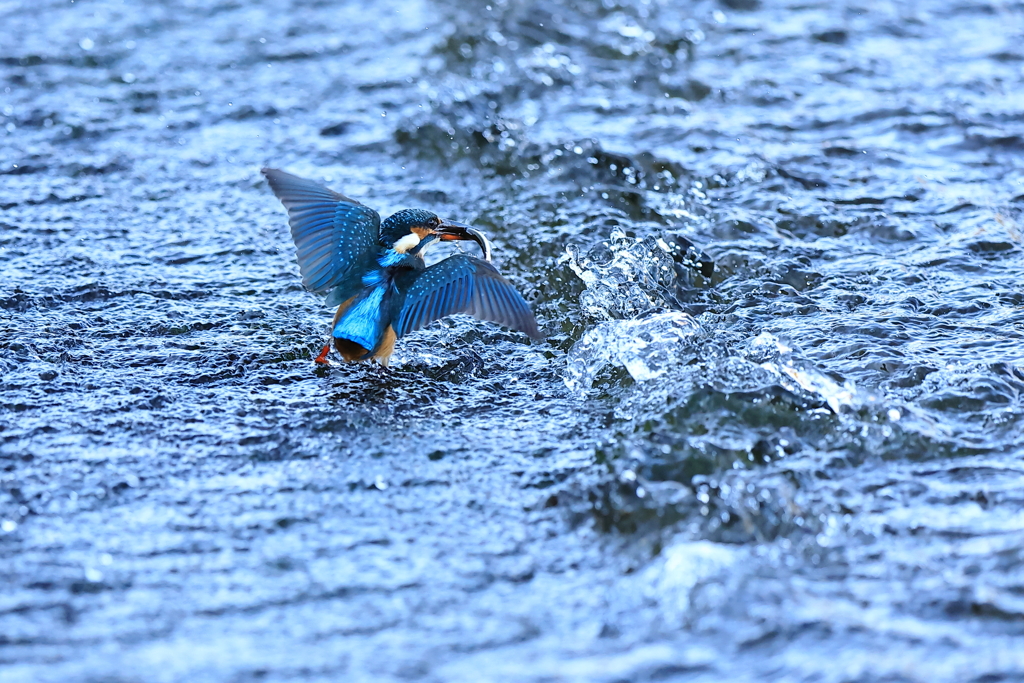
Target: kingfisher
{"x": 374, "y": 271}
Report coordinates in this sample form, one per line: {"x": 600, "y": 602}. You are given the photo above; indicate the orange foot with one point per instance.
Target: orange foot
{"x": 322, "y": 358}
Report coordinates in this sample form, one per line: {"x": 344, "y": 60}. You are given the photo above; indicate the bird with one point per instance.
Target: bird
{"x": 374, "y": 270}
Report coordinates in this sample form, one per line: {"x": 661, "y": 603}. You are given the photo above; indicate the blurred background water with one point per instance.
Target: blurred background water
{"x": 775, "y": 431}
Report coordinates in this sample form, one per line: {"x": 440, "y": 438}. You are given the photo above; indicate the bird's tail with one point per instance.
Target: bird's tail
{"x": 365, "y": 321}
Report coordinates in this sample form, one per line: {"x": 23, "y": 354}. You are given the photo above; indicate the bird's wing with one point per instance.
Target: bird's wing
{"x": 335, "y": 237}
{"x": 461, "y": 284}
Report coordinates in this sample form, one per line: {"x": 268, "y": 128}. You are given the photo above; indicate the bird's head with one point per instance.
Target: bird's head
{"x": 410, "y": 231}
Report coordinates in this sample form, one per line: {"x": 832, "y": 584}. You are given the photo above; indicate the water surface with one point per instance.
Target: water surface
{"x": 774, "y": 433}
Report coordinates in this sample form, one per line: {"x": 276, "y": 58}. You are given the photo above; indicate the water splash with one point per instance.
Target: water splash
{"x": 627, "y": 276}
{"x": 646, "y": 347}
{"x": 779, "y": 364}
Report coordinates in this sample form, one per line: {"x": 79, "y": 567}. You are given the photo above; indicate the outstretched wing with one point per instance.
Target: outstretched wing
{"x": 461, "y": 284}
{"x": 335, "y": 237}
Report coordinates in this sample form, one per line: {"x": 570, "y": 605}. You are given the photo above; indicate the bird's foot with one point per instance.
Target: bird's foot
{"x": 322, "y": 358}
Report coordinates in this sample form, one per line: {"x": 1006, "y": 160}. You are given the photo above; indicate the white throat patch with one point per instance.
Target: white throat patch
{"x": 406, "y": 243}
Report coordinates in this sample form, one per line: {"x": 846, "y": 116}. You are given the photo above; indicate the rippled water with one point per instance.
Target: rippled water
{"x": 776, "y": 431}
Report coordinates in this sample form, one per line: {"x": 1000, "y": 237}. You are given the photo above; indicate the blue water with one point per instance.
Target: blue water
{"x": 806, "y": 464}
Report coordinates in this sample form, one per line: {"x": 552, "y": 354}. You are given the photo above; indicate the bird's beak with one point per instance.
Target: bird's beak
{"x": 450, "y": 230}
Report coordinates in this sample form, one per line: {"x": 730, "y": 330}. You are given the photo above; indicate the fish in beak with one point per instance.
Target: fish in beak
{"x": 450, "y": 230}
